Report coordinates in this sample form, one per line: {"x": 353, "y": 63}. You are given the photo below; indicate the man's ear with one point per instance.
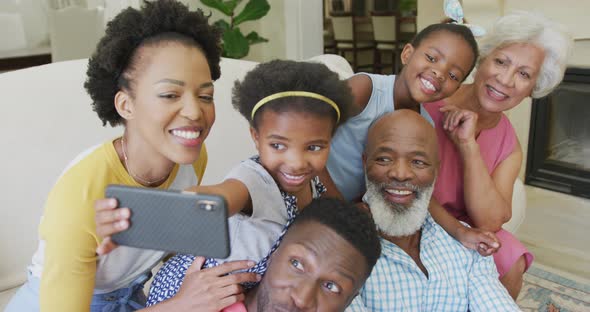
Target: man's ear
{"x": 407, "y": 53}
{"x": 124, "y": 105}
{"x": 255, "y": 137}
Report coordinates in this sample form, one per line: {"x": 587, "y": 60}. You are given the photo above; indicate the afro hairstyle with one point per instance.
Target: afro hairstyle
{"x": 282, "y": 75}
{"x": 111, "y": 64}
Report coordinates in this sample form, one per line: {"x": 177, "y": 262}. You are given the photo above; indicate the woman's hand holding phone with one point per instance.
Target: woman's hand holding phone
{"x": 109, "y": 221}
{"x": 163, "y": 220}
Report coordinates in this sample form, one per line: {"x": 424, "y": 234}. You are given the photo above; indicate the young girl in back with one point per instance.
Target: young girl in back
{"x": 293, "y": 109}
{"x": 436, "y": 62}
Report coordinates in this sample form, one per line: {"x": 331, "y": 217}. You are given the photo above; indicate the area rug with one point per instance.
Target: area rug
{"x": 543, "y": 290}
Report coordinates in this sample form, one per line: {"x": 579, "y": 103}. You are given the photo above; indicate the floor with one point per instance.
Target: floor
{"x": 544, "y": 290}
{"x": 557, "y": 231}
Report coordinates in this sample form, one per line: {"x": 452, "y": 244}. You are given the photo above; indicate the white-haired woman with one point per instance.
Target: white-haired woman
{"x": 523, "y": 55}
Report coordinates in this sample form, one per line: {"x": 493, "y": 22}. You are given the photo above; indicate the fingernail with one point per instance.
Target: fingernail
{"x": 122, "y": 224}
{"x": 258, "y": 277}
{"x": 113, "y": 202}
{"x": 123, "y": 213}
{"x": 251, "y": 263}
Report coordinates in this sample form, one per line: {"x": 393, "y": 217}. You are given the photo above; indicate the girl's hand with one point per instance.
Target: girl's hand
{"x": 484, "y": 242}
{"x": 108, "y": 222}
{"x": 459, "y": 124}
{"x": 212, "y": 289}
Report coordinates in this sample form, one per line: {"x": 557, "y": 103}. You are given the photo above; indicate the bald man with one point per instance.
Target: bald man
{"x": 421, "y": 267}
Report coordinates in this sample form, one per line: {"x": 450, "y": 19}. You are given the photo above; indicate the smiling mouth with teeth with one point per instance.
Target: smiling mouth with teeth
{"x": 399, "y": 192}
{"x": 496, "y": 93}
{"x": 189, "y": 135}
{"x": 428, "y": 84}
{"x": 293, "y": 177}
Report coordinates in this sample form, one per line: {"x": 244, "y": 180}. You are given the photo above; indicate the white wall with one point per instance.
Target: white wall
{"x": 483, "y": 12}
{"x": 429, "y": 12}
{"x": 572, "y": 13}
{"x": 33, "y": 17}
{"x": 303, "y": 29}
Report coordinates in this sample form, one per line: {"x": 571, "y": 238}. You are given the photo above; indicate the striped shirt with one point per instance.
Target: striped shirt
{"x": 459, "y": 279}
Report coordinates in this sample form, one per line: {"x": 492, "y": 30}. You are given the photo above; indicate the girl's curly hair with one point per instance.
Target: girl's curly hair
{"x": 283, "y": 75}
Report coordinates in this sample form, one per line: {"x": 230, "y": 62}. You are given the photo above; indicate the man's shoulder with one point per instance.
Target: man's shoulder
{"x": 435, "y": 233}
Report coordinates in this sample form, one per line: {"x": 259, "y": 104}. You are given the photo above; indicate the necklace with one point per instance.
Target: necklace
{"x": 135, "y": 176}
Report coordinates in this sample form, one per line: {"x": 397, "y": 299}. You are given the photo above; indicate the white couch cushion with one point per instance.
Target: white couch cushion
{"x": 5, "y": 296}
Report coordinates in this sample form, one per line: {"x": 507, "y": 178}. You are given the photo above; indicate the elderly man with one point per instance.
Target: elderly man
{"x": 421, "y": 267}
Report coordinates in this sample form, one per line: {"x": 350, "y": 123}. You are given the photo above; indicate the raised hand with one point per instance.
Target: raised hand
{"x": 484, "y": 242}
{"x": 212, "y": 289}
{"x": 108, "y": 222}
{"x": 459, "y": 124}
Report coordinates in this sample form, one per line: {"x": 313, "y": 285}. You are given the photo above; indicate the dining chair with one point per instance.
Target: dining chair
{"x": 386, "y": 32}
{"x": 346, "y": 38}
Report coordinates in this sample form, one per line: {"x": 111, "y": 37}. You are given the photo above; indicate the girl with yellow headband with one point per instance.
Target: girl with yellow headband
{"x": 293, "y": 109}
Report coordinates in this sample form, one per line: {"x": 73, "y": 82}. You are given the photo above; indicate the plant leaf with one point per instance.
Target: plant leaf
{"x": 253, "y": 10}
{"x": 254, "y": 38}
{"x": 235, "y": 45}
{"x": 232, "y": 4}
{"x": 222, "y": 24}
{"x": 219, "y": 5}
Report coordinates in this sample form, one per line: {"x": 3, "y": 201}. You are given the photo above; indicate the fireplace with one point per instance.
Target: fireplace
{"x": 559, "y": 141}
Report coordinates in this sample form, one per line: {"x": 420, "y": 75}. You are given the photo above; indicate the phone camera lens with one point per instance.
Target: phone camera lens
{"x": 206, "y": 205}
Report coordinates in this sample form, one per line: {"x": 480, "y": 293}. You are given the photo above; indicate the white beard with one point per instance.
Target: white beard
{"x": 395, "y": 219}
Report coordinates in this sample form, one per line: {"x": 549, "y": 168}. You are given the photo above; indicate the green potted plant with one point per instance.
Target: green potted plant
{"x": 235, "y": 44}
{"x": 408, "y": 7}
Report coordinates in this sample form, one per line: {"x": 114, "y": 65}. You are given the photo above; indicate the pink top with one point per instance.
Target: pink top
{"x": 495, "y": 145}
{"x": 236, "y": 307}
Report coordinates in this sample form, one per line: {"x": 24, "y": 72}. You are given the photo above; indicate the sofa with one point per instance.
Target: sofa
{"x": 49, "y": 120}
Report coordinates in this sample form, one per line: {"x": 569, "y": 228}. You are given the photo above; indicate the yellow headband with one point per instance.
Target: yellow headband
{"x": 296, "y": 93}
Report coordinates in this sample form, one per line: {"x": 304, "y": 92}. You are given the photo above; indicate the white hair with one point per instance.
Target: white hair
{"x": 533, "y": 28}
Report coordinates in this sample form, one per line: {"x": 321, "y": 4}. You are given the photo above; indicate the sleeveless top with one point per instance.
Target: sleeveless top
{"x": 495, "y": 145}
{"x": 345, "y": 163}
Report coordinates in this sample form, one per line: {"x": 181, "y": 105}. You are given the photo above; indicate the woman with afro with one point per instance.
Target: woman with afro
{"x": 153, "y": 74}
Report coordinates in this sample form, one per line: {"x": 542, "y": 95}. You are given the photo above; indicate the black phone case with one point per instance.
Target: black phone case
{"x": 173, "y": 221}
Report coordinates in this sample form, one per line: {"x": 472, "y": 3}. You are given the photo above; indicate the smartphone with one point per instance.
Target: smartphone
{"x": 173, "y": 221}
